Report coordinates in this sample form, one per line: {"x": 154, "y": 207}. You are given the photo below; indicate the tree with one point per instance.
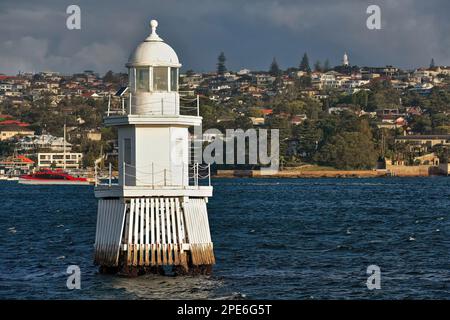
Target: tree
{"x": 109, "y": 77}
{"x": 274, "y": 69}
{"x": 349, "y": 150}
{"x": 326, "y": 66}
{"x": 221, "y": 68}
{"x": 304, "y": 64}
{"x": 421, "y": 124}
{"x": 318, "y": 66}
{"x": 432, "y": 64}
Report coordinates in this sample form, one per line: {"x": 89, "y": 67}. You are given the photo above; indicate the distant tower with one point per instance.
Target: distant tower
{"x": 156, "y": 214}
{"x": 345, "y": 62}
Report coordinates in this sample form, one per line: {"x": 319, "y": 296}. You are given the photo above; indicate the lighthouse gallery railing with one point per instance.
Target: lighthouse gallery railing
{"x": 190, "y": 106}
{"x": 197, "y": 174}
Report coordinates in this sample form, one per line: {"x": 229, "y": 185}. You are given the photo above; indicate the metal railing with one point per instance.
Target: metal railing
{"x": 189, "y": 106}
{"x": 182, "y": 176}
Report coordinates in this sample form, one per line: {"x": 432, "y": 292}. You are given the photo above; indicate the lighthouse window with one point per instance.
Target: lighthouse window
{"x": 142, "y": 77}
{"x": 160, "y": 79}
{"x": 173, "y": 79}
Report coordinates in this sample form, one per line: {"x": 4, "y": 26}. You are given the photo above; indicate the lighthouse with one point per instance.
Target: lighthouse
{"x": 345, "y": 61}
{"x": 155, "y": 215}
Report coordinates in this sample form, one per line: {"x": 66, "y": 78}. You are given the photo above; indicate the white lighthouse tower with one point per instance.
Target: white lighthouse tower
{"x": 156, "y": 214}
{"x": 345, "y": 61}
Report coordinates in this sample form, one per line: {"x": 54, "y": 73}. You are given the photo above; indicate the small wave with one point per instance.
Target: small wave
{"x": 233, "y": 296}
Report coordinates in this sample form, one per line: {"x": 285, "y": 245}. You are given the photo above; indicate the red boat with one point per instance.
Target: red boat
{"x": 57, "y": 177}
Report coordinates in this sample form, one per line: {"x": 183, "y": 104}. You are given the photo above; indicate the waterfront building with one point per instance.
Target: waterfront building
{"x": 73, "y": 160}
{"x": 156, "y": 215}
{"x": 15, "y": 165}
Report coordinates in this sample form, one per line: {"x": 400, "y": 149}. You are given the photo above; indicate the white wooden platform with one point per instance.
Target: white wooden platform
{"x": 169, "y": 120}
{"x": 117, "y": 191}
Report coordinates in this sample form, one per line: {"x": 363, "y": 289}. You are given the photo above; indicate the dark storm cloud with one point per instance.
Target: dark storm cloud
{"x": 34, "y": 35}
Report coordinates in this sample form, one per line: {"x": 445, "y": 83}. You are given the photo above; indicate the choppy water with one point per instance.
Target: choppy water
{"x": 274, "y": 239}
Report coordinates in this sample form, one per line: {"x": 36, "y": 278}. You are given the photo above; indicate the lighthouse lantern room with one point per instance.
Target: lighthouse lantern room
{"x": 155, "y": 215}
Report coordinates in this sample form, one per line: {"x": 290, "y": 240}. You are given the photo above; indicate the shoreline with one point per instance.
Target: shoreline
{"x": 316, "y": 174}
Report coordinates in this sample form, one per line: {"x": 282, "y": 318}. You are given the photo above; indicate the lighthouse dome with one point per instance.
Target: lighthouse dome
{"x": 153, "y": 51}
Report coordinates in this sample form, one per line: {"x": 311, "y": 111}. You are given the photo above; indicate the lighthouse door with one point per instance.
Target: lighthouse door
{"x": 127, "y": 162}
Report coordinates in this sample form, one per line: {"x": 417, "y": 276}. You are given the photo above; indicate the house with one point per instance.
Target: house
{"x": 256, "y": 121}
{"x": 423, "y": 143}
{"x": 94, "y": 136}
{"x": 56, "y": 160}
{"x": 15, "y": 165}
{"x": 13, "y": 130}
{"x": 298, "y": 119}
{"x": 43, "y": 142}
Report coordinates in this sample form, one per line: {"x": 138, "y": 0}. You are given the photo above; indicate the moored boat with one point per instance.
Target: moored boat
{"x": 52, "y": 177}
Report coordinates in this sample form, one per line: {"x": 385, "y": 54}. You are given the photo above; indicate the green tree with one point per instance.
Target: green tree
{"x": 326, "y": 66}
{"x": 421, "y": 124}
{"x": 318, "y": 66}
{"x": 221, "y": 68}
{"x": 274, "y": 69}
{"x": 349, "y": 150}
{"x": 304, "y": 64}
{"x": 432, "y": 64}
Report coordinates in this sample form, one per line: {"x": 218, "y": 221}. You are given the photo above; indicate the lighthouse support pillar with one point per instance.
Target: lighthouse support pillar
{"x": 141, "y": 235}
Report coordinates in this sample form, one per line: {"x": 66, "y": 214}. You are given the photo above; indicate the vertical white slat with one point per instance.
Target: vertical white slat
{"x": 175, "y": 244}
{"x": 104, "y": 230}
{"x": 147, "y": 231}
{"x": 130, "y": 233}
{"x": 109, "y": 231}
{"x": 163, "y": 225}
{"x": 201, "y": 218}
{"x": 169, "y": 247}
{"x": 157, "y": 234}
{"x": 147, "y": 221}
{"x": 174, "y": 223}
{"x": 158, "y": 227}
{"x": 152, "y": 221}
{"x": 136, "y": 232}
{"x": 136, "y": 222}
{"x": 179, "y": 221}
{"x": 163, "y": 229}
{"x": 127, "y": 223}
{"x": 152, "y": 232}
{"x": 208, "y": 230}
{"x": 130, "y": 229}
{"x": 141, "y": 225}
{"x": 100, "y": 208}
{"x": 121, "y": 228}
{"x": 168, "y": 222}
{"x": 141, "y": 232}
{"x": 98, "y": 235}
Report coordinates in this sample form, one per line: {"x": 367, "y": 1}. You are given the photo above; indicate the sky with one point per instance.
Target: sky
{"x": 34, "y": 36}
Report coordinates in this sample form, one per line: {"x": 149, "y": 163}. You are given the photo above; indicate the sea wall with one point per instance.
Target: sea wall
{"x": 398, "y": 171}
{"x": 410, "y": 171}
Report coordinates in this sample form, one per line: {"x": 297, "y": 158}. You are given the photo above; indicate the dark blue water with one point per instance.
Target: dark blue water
{"x": 275, "y": 239}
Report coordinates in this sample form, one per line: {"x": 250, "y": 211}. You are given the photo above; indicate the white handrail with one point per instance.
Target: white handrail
{"x": 195, "y": 173}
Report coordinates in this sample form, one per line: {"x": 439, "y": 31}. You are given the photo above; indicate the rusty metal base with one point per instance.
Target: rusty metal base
{"x": 187, "y": 269}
